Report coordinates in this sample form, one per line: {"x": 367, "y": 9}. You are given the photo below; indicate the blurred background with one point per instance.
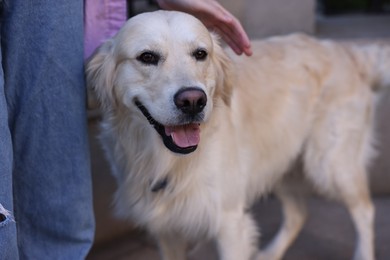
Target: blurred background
{"x": 328, "y": 233}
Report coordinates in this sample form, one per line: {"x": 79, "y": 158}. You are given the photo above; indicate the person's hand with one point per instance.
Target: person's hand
{"x": 215, "y": 17}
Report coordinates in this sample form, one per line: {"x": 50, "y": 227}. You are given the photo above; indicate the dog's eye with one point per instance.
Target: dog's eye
{"x": 200, "y": 54}
{"x": 149, "y": 58}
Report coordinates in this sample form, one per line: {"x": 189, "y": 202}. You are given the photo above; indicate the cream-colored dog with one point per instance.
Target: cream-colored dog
{"x": 195, "y": 135}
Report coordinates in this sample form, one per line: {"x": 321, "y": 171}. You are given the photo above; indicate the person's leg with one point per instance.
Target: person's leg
{"x": 44, "y": 85}
{"x": 8, "y": 245}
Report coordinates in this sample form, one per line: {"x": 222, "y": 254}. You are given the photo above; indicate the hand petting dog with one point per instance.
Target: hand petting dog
{"x": 215, "y": 17}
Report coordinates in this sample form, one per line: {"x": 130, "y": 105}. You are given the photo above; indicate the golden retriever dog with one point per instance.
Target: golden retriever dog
{"x": 195, "y": 133}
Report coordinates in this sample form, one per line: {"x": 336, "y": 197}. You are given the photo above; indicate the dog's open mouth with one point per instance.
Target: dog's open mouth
{"x": 181, "y": 139}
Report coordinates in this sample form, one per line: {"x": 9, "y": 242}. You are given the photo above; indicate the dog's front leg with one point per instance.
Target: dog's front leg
{"x": 172, "y": 247}
{"x": 237, "y": 236}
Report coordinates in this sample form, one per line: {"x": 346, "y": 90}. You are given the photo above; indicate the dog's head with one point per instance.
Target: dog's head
{"x": 166, "y": 67}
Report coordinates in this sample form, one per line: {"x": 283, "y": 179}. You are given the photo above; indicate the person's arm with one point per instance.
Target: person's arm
{"x": 215, "y": 17}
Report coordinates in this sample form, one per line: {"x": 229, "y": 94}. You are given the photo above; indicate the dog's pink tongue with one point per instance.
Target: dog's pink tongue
{"x": 184, "y": 135}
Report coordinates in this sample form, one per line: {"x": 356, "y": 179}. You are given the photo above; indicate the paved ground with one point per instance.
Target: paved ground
{"x": 328, "y": 233}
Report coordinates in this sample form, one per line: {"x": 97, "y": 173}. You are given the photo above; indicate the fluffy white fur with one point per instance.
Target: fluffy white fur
{"x": 297, "y": 103}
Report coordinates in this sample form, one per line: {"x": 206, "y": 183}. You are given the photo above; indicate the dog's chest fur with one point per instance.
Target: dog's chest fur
{"x": 157, "y": 188}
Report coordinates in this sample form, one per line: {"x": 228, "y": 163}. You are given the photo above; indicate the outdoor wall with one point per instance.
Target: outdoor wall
{"x": 273, "y": 17}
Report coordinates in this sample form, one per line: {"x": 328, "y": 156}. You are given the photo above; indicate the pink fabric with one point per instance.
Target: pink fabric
{"x": 102, "y": 19}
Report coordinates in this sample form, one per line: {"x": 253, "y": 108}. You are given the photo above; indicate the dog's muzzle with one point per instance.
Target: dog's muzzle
{"x": 183, "y": 138}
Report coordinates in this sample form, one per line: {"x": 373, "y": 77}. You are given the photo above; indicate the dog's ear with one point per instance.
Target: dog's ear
{"x": 100, "y": 73}
{"x": 223, "y": 70}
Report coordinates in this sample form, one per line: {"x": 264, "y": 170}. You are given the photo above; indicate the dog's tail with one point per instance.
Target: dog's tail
{"x": 374, "y": 59}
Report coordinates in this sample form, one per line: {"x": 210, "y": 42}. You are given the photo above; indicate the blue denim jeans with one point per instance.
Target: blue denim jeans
{"x": 45, "y": 184}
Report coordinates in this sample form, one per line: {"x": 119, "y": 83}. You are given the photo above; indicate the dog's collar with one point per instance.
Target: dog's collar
{"x": 159, "y": 185}
{"x": 167, "y": 140}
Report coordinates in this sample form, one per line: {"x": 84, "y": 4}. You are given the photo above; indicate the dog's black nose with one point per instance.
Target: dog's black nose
{"x": 190, "y": 100}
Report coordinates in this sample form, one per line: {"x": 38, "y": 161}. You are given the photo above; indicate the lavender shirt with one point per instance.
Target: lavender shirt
{"x": 102, "y": 19}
